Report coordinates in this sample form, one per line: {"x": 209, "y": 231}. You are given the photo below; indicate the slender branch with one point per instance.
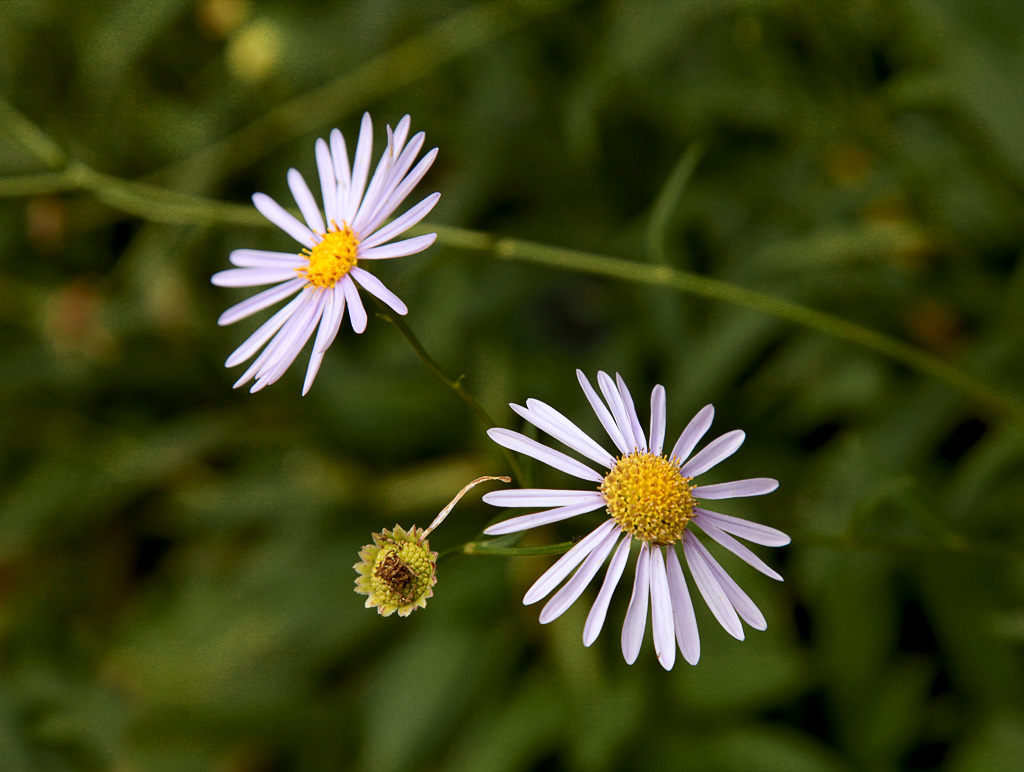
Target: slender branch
{"x": 485, "y": 548}
{"x": 455, "y": 384}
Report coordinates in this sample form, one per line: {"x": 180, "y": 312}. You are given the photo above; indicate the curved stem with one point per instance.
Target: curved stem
{"x": 455, "y": 384}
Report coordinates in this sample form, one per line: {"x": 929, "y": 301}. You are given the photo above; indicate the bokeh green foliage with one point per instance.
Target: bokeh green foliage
{"x": 176, "y": 557}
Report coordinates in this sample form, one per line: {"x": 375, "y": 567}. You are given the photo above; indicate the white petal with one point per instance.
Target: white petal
{"x": 716, "y": 451}
{"x": 260, "y": 301}
{"x": 397, "y": 249}
{"x": 537, "y": 497}
{"x": 693, "y": 433}
{"x": 551, "y": 578}
{"x": 384, "y": 202}
{"x": 537, "y": 519}
{"x": 339, "y": 155}
{"x": 372, "y": 197}
{"x": 598, "y": 612}
{"x": 269, "y": 356}
{"x": 631, "y": 416}
{"x": 404, "y": 188}
{"x": 251, "y": 277}
{"x": 274, "y": 212}
{"x": 757, "y": 486}
{"x": 614, "y": 400}
{"x": 260, "y": 258}
{"x": 332, "y": 321}
{"x": 662, "y": 620}
{"x": 709, "y": 587}
{"x": 376, "y": 287}
{"x": 602, "y": 413}
{"x": 744, "y": 606}
{"x": 292, "y": 343}
{"x": 636, "y": 615}
{"x": 549, "y": 420}
{"x": 571, "y": 590}
{"x": 682, "y": 608}
{"x": 553, "y": 458}
{"x": 402, "y": 132}
{"x": 360, "y": 168}
{"x": 329, "y": 322}
{"x": 745, "y": 529}
{"x": 328, "y": 182}
{"x": 356, "y": 312}
{"x": 736, "y": 548}
{"x": 401, "y": 224}
{"x": 657, "y": 419}
{"x": 307, "y": 204}
{"x": 264, "y": 333}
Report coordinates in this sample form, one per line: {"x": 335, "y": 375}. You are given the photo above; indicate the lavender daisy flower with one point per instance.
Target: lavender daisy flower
{"x": 326, "y": 274}
{"x": 649, "y": 496}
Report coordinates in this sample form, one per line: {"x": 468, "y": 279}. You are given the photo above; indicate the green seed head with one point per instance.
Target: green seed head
{"x": 398, "y": 571}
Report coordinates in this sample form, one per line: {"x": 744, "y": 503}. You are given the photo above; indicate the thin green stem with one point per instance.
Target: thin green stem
{"x": 16, "y": 125}
{"x": 715, "y": 289}
{"x": 485, "y": 548}
{"x": 455, "y": 384}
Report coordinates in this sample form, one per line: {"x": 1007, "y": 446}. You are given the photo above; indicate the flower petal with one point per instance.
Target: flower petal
{"x": 682, "y": 608}
{"x": 636, "y": 615}
{"x": 631, "y": 416}
{"x": 259, "y": 301}
{"x": 332, "y": 321}
{"x": 401, "y": 224}
{"x": 602, "y": 413}
{"x": 261, "y": 258}
{"x": 328, "y": 182}
{"x": 662, "y": 622}
{"x": 553, "y": 458}
{"x": 571, "y": 590}
{"x": 745, "y": 529}
{"x": 524, "y": 522}
{"x": 274, "y": 212}
{"x": 657, "y": 419}
{"x": 614, "y": 400}
{"x": 397, "y": 196}
{"x": 360, "y": 168}
{"x": 736, "y": 548}
{"x": 693, "y": 433}
{"x": 565, "y": 564}
{"x": 264, "y": 333}
{"x": 757, "y": 486}
{"x": 716, "y": 451}
{"x": 356, "y": 311}
{"x": 549, "y": 420}
{"x": 537, "y": 497}
{"x": 329, "y": 323}
{"x": 376, "y": 287}
{"x": 269, "y": 356}
{"x": 292, "y": 344}
{"x": 251, "y": 277}
{"x": 739, "y": 600}
{"x": 399, "y": 248}
{"x": 342, "y": 170}
{"x": 307, "y": 204}
{"x": 709, "y": 587}
{"x": 598, "y": 612}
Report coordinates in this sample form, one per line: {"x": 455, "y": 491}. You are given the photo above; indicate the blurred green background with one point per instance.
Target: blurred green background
{"x": 176, "y": 557}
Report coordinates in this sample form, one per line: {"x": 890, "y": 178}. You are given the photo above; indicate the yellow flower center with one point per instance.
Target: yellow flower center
{"x": 648, "y": 497}
{"x": 332, "y": 258}
{"x": 402, "y": 573}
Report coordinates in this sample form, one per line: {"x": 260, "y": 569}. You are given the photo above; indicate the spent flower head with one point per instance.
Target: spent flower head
{"x": 330, "y": 268}
{"x": 651, "y": 497}
{"x": 398, "y": 571}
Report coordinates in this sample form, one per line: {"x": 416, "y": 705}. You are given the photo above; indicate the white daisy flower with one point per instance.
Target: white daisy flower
{"x": 649, "y": 496}
{"x": 326, "y": 274}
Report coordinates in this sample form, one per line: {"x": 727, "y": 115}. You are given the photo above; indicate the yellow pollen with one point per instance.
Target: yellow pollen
{"x": 332, "y": 258}
{"x": 648, "y": 498}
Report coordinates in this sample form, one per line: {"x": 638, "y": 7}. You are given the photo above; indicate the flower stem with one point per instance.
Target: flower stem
{"x": 455, "y": 384}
